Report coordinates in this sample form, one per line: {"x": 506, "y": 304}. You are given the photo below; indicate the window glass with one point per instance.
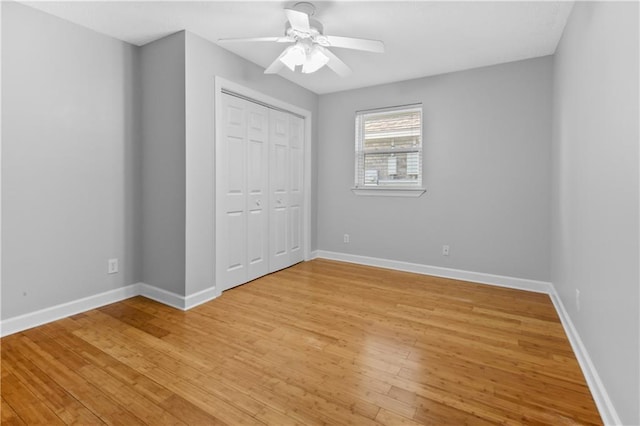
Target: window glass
{"x": 389, "y": 147}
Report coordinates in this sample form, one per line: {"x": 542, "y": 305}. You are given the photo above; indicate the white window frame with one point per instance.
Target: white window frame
{"x": 407, "y": 189}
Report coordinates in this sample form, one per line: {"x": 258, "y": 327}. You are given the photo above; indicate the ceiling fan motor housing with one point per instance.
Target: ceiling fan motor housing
{"x": 305, "y": 7}
{"x": 315, "y": 26}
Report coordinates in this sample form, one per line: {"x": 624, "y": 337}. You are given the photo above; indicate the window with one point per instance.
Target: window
{"x": 389, "y": 151}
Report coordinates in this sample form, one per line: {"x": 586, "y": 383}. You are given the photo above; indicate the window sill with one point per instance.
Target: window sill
{"x": 389, "y": 192}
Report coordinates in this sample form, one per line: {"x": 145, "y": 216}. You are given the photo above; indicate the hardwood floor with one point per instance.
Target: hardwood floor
{"x": 320, "y": 343}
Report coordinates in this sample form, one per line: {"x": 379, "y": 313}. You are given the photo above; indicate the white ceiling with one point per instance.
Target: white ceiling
{"x": 422, "y": 38}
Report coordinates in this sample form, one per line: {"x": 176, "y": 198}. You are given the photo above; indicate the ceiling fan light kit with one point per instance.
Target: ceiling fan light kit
{"x": 309, "y": 52}
{"x": 304, "y": 54}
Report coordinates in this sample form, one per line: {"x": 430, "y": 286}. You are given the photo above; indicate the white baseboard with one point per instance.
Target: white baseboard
{"x": 43, "y": 316}
{"x": 200, "y": 297}
{"x": 163, "y": 296}
{"x": 53, "y": 313}
{"x": 177, "y": 301}
{"x": 598, "y": 391}
{"x": 437, "y": 271}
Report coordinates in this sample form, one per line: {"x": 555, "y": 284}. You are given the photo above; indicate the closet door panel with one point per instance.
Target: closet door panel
{"x": 296, "y": 185}
{"x": 257, "y": 191}
{"x": 279, "y": 190}
{"x": 279, "y": 222}
{"x": 236, "y": 249}
{"x": 231, "y": 229}
{"x": 295, "y": 245}
{"x": 280, "y": 166}
{"x": 256, "y": 240}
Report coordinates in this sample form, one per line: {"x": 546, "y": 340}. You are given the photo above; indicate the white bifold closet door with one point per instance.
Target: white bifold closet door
{"x": 259, "y": 197}
{"x": 285, "y": 189}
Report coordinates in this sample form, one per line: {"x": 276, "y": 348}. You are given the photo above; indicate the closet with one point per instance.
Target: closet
{"x": 259, "y": 191}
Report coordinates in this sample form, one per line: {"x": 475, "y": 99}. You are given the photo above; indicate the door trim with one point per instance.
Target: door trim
{"x": 268, "y": 101}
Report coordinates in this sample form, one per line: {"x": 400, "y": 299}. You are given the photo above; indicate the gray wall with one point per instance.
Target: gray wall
{"x": 178, "y": 75}
{"x": 79, "y": 111}
{"x": 204, "y": 61}
{"x": 70, "y": 161}
{"x": 163, "y": 169}
{"x": 486, "y": 170}
{"x": 595, "y": 191}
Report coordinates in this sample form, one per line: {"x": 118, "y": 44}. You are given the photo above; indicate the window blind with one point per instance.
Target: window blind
{"x": 389, "y": 147}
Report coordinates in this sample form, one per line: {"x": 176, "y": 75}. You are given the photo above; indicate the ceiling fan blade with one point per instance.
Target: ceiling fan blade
{"x": 356, "y": 43}
{"x": 336, "y": 63}
{"x": 277, "y": 65}
{"x": 299, "y": 20}
{"x": 275, "y": 39}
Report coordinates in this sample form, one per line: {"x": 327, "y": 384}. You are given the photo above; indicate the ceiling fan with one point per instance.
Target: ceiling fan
{"x": 310, "y": 46}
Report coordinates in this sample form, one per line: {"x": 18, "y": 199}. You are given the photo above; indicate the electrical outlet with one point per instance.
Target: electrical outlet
{"x": 112, "y": 266}
{"x": 577, "y": 299}
{"x": 346, "y": 238}
{"x": 445, "y": 250}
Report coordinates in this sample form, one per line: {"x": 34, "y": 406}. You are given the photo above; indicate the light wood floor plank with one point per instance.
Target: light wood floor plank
{"x": 321, "y": 342}
{"x": 25, "y": 404}
{"x": 69, "y": 409}
{"x": 8, "y": 416}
